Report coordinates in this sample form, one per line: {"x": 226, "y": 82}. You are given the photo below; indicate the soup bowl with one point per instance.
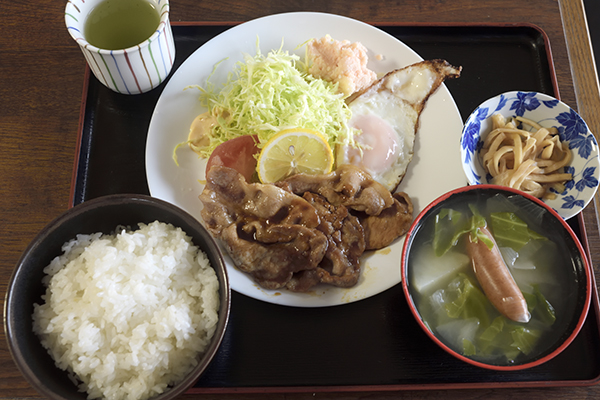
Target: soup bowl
{"x": 459, "y": 297}
{"x": 105, "y": 214}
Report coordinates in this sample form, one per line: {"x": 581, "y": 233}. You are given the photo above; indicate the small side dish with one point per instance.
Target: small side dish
{"x": 531, "y": 161}
{"x": 535, "y": 143}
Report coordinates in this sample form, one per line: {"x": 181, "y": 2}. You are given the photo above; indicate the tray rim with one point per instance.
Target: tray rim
{"x": 595, "y": 306}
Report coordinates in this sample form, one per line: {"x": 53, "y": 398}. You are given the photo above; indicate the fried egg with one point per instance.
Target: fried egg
{"x": 387, "y": 116}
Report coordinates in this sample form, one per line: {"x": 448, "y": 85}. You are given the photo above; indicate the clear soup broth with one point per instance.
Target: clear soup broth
{"x": 450, "y": 300}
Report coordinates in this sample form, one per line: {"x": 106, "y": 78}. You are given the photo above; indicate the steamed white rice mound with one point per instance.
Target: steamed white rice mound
{"x": 128, "y": 313}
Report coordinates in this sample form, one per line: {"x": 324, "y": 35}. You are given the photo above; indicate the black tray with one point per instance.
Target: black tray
{"x": 373, "y": 344}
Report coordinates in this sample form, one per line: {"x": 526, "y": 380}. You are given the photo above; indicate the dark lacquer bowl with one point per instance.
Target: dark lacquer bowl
{"x": 542, "y": 253}
{"x": 98, "y": 215}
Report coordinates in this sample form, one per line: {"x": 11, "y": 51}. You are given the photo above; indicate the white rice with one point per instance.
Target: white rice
{"x": 128, "y": 313}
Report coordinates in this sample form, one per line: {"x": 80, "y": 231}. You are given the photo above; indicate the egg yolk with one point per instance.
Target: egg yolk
{"x": 378, "y": 139}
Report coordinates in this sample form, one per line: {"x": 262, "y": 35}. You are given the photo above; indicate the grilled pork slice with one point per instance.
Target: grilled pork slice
{"x": 381, "y": 230}
{"x": 289, "y": 249}
{"x": 346, "y": 242}
{"x": 269, "y": 233}
{"x": 348, "y": 185}
{"x": 228, "y": 199}
{"x": 383, "y": 216}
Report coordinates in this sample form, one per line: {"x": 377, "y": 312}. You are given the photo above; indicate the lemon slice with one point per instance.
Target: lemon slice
{"x": 294, "y": 151}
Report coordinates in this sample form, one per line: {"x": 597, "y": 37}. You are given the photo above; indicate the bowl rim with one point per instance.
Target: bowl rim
{"x": 86, "y": 206}
{"x": 405, "y": 287}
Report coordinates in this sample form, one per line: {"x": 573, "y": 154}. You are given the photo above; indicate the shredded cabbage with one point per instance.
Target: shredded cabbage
{"x": 266, "y": 94}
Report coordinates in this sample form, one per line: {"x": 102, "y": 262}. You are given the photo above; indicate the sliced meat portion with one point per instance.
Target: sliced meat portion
{"x": 272, "y": 264}
{"x": 346, "y": 243}
{"x": 383, "y": 216}
{"x": 303, "y": 281}
{"x": 390, "y": 224}
{"x": 228, "y": 199}
{"x": 284, "y": 240}
{"x": 268, "y": 232}
{"x": 348, "y": 185}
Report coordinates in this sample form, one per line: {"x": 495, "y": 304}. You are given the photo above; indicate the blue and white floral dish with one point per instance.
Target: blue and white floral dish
{"x": 548, "y": 112}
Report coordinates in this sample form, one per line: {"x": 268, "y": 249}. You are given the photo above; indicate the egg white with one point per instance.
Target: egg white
{"x": 387, "y": 117}
{"x": 387, "y": 137}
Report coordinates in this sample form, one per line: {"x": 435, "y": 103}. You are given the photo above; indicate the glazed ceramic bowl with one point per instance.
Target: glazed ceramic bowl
{"x": 548, "y": 112}
{"x": 446, "y": 296}
{"x": 25, "y": 288}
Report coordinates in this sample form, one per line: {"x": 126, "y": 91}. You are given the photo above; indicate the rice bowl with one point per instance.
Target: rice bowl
{"x": 28, "y": 286}
{"x": 127, "y": 313}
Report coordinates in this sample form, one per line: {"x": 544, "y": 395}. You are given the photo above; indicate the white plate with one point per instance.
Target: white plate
{"x": 435, "y": 169}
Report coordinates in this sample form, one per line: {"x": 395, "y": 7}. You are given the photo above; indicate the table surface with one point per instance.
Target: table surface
{"x": 41, "y": 84}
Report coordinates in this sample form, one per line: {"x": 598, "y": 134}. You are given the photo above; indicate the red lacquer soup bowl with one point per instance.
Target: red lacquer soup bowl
{"x": 512, "y": 304}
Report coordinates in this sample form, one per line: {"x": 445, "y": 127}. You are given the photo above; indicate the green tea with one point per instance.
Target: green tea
{"x": 119, "y": 24}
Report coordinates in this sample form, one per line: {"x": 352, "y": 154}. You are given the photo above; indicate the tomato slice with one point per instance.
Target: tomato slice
{"x": 238, "y": 154}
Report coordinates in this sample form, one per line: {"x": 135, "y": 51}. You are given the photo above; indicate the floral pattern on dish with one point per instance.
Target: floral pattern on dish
{"x": 546, "y": 111}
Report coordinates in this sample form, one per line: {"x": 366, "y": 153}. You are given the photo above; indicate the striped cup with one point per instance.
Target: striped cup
{"x": 137, "y": 69}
